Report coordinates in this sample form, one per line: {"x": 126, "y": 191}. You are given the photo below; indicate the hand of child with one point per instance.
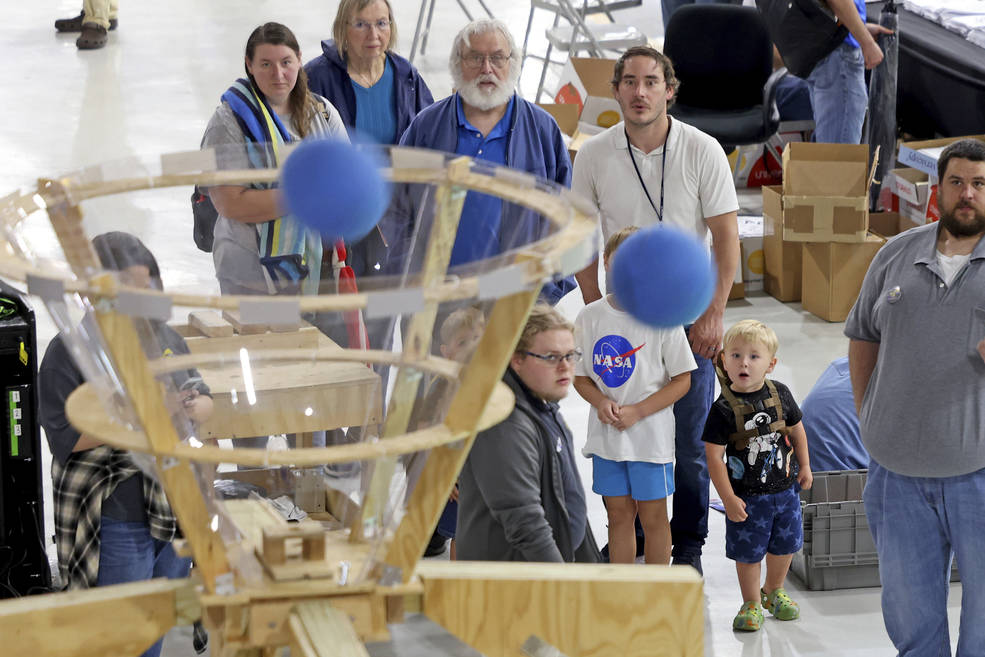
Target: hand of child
{"x": 454, "y": 494}
{"x": 735, "y": 509}
{"x": 805, "y": 478}
{"x": 608, "y": 412}
{"x": 628, "y": 416}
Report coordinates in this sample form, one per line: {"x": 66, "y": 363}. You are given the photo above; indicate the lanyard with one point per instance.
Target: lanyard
{"x": 663, "y": 168}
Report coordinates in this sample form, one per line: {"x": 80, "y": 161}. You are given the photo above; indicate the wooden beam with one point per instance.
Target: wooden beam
{"x": 581, "y": 609}
{"x": 320, "y": 630}
{"x": 179, "y": 480}
{"x": 119, "y": 620}
{"x": 479, "y": 380}
{"x": 448, "y": 201}
{"x": 66, "y": 220}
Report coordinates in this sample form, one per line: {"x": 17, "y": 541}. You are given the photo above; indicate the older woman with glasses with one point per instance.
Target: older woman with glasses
{"x": 376, "y": 91}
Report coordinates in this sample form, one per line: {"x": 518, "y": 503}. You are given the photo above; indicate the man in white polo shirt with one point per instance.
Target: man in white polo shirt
{"x": 648, "y": 169}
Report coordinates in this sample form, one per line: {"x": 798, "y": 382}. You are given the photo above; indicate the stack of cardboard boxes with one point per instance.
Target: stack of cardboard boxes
{"x": 816, "y": 240}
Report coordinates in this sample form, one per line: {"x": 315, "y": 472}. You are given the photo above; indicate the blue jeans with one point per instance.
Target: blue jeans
{"x": 919, "y": 524}
{"x": 839, "y": 96}
{"x": 689, "y": 522}
{"x": 128, "y": 553}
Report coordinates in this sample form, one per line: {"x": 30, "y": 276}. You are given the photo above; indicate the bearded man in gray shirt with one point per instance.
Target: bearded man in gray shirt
{"x": 917, "y": 362}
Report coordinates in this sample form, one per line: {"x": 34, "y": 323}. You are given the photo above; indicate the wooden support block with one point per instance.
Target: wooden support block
{"x": 210, "y": 324}
{"x": 274, "y": 549}
{"x": 580, "y": 609}
{"x": 313, "y": 547}
{"x": 232, "y": 316}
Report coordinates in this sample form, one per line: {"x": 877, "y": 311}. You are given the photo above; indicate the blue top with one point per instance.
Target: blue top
{"x": 329, "y": 77}
{"x": 850, "y": 40}
{"x": 534, "y": 145}
{"x": 478, "y": 230}
{"x": 374, "y": 108}
{"x": 833, "y": 438}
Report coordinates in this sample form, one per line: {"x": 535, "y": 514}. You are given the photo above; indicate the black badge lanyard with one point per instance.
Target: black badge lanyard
{"x": 663, "y": 169}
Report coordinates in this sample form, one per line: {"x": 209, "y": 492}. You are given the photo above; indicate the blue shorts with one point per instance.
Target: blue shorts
{"x": 638, "y": 479}
{"x": 774, "y": 525}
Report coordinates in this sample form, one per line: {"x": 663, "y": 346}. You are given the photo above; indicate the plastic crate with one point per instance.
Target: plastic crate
{"x": 839, "y": 551}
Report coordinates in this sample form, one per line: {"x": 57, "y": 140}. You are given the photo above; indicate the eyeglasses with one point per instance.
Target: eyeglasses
{"x": 555, "y": 359}
{"x": 475, "y": 60}
{"x": 363, "y": 26}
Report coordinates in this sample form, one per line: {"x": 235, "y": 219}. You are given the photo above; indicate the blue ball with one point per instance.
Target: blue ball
{"x": 662, "y": 276}
{"x": 334, "y": 188}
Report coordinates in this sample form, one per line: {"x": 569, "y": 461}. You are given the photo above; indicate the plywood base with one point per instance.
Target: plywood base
{"x": 583, "y": 610}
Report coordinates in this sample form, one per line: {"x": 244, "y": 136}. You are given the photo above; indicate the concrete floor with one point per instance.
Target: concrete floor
{"x": 152, "y": 90}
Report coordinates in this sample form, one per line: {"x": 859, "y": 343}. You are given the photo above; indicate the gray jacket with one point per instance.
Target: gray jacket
{"x": 511, "y": 503}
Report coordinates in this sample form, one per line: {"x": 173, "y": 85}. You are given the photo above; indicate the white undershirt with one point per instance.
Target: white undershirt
{"x": 951, "y": 265}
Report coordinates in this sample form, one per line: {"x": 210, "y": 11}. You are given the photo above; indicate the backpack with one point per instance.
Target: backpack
{"x": 804, "y": 31}
{"x": 205, "y": 216}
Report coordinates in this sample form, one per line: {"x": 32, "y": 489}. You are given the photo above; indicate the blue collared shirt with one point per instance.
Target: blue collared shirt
{"x": 478, "y": 231}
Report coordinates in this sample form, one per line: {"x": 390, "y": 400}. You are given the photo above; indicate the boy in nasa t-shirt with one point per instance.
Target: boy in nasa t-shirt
{"x": 631, "y": 374}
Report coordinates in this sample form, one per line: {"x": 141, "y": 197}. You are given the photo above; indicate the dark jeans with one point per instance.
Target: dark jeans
{"x": 689, "y": 522}
{"x": 128, "y": 553}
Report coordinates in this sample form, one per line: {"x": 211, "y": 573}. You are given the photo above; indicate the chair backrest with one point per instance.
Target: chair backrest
{"x": 722, "y": 55}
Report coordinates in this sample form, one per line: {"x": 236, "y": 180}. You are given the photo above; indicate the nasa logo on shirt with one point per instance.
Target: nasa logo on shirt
{"x": 614, "y": 359}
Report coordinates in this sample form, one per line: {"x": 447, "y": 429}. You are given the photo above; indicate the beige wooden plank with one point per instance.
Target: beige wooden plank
{"x": 85, "y": 411}
{"x": 210, "y": 324}
{"x": 66, "y": 220}
{"x": 307, "y": 337}
{"x": 584, "y": 610}
{"x": 179, "y": 480}
{"x": 241, "y": 327}
{"x": 320, "y": 630}
{"x": 448, "y": 201}
{"x": 91, "y": 623}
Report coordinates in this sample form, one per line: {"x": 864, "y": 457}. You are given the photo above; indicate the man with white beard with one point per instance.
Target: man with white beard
{"x": 487, "y": 120}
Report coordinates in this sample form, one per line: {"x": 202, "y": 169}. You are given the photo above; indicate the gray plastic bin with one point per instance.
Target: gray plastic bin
{"x": 838, "y": 552}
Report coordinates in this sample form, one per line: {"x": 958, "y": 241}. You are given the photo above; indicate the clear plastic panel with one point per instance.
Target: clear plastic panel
{"x": 271, "y": 377}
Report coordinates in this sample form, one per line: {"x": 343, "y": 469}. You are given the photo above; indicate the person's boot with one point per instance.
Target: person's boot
{"x": 93, "y": 37}
{"x": 74, "y": 24}
{"x": 200, "y": 638}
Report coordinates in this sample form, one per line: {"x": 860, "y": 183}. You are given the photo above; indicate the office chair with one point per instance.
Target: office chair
{"x": 723, "y": 58}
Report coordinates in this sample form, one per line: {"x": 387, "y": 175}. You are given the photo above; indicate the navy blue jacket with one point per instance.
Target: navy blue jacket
{"x": 535, "y": 146}
{"x": 329, "y": 77}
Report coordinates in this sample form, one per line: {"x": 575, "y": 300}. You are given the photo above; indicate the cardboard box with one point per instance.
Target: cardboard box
{"x": 753, "y": 262}
{"x": 754, "y": 166}
{"x": 887, "y": 224}
{"x": 751, "y": 252}
{"x": 738, "y": 290}
{"x": 923, "y": 155}
{"x": 833, "y": 273}
{"x": 911, "y": 185}
{"x": 587, "y": 83}
{"x": 782, "y": 260}
{"x": 566, "y": 116}
{"x": 826, "y": 192}
{"x": 913, "y": 194}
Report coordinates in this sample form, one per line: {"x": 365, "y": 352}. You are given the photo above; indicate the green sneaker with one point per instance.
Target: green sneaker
{"x": 749, "y": 618}
{"x": 780, "y": 605}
